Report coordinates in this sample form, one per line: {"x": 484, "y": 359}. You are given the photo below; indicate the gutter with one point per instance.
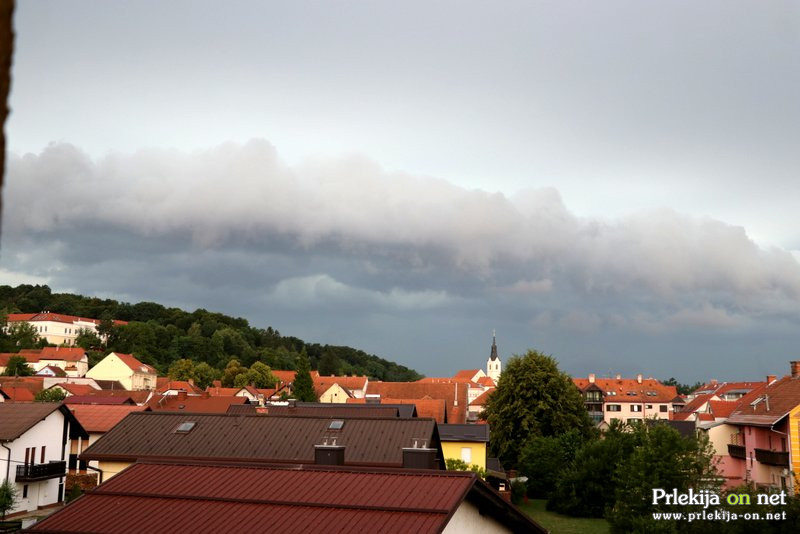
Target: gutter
{"x": 8, "y": 462}
{"x": 96, "y": 469}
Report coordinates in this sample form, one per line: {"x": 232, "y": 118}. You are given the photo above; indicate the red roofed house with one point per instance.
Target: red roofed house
{"x": 130, "y": 372}
{"x": 96, "y": 420}
{"x": 426, "y": 407}
{"x": 72, "y": 360}
{"x": 762, "y": 436}
{"x": 57, "y": 328}
{"x": 339, "y": 388}
{"x": 20, "y": 389}
{"x": 627, "y": 399}
{"x": 452, "y": 392}
{"x": 188, "y": 498}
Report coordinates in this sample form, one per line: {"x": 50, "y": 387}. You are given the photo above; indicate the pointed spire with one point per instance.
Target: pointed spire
{"x": 493, "y": 355}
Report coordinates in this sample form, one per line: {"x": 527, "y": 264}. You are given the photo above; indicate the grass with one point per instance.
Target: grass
{"x": 562, "y": 524}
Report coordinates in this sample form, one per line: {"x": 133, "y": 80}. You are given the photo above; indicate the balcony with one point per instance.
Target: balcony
{"x": 737, "y": 451}
{"x": 781, "y": 459}
{"x": 32, "y": 473}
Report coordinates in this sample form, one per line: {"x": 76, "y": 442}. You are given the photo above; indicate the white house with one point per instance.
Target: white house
{"x": 34, "y": 443}
{"x": 57, "y": 328}
{"x": 130, "y": 372}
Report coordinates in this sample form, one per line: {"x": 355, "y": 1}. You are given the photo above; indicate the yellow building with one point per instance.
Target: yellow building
{"x": 130, "y": 372}
{"x": 465, "y": 442}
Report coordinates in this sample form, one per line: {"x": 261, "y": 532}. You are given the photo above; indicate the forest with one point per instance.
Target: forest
{"x": 161, "y": 336}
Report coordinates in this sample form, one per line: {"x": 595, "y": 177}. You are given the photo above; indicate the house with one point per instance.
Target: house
{"x": 186, "y": 497}
{"x": 166, "y": 386}
{"x": 452, "y": 392}
{"x": 72, "y": 360}
{"x": 57, "y": 328}
{"x": 130, "y": 372}
{"x": 763, "y": 436}
{"x": 426, "y": 407}
{"x": 20, "y": 389}
{"x": 96, "y": 420}
{"x": 354, "y": 441}
{"x": 477, "y": 406}
{"x": 627, "y": 400}
{"x": 332, "y": 393}
{"x": 34, "y": 440}
{"x": 465, "y": 442}
{"x": 351, "y": 386}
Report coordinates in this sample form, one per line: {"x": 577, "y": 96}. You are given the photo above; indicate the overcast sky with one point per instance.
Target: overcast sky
{"x": 613, "y": 183}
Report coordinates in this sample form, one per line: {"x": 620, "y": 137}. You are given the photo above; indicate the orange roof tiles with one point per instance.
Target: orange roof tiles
{"x": 481, "y": 400}
{"x": 55, "y": 317}
{"x": 134, "y": 364}
{"x": 783, "y": 396}
{"x": 630, "y": 389}
{"x": 163, "y": 385}
{"x": 466, "y": 374}
{"x": 427, "y": 407}
{"x": 99, "y": 418}
{"x": 222, "y": 392}
{"x": 196, "y": 404}
{"x": 348, "y": 382}
{"x": 77, "y": 389}
{"x": 454, "y": 395}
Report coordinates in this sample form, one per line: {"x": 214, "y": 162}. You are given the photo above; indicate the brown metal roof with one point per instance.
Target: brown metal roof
{"x": 478, "y": 433}
{"x": 324, "y": 409}
{"x": 16, "y": 418}
{"x": 206, "y": 498}
{"x": 367, "y": 441}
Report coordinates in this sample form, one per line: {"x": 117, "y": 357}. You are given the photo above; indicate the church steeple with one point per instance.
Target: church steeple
{"x": 493, "y": 365}
{"x": 493, "y": 355}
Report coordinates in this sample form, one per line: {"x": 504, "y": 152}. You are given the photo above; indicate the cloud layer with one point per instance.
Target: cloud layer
{"x": 329, "y": 236}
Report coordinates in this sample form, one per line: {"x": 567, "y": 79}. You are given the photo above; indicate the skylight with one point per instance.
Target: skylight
{"x": 185, "y": 427}
{"x": 335, "y": 425}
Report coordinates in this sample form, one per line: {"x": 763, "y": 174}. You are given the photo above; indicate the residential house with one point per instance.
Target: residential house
{"x": 130, "y": 372}
{"x": 465, "y": 442}
{"x": 72, "y": 360}
{"x": 477, "y": 406}
{"x": 425, "y": 407}
{"x": 20, "y": 389}
{"x": 188, "y": 497}
{"x": 627, "y": 400}
{"x": 354, "y": 441}
{"x": 96, "y": 420}
{"x": 57, "y": 328}
{"x": 452, "y": 392}
{"x": 764, "y": 436}
{"x": 34, "y": 440}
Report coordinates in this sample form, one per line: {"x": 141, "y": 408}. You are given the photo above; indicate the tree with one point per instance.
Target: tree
{"x": 533, "y": 398}
{"x": 544, "y": 459}
{"x": 8, "y": 497}
{"x": 50, "y": 395}
{"x": 303, "y": 386}
{"x": 329, "y": 364}
{"x": 18, "y": 366}
{"x": 682, "y": 389}
{"x": 22, "y": 335}
{"x": 456, "y": 464}
{"x": 87, "y": 340}
{"x": 662, "y": 459}
{"x": 232, "y": 370}
{"x": 183, "y": 369}
{"x": 205, "y": 375}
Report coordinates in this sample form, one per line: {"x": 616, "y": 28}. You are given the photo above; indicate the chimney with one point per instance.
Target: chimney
{"x": 419, "y": 458}
{"x": 639, "y": 378}
{"x": 181, "y": 394}
{"x": 329, "y": 454}
{"x": 795, "y": 368}
{"x": 713, "y": 382}
{"x": 618, "y": 376}
{"x": 771, "y": 379}
{"x": 591, "y": 378}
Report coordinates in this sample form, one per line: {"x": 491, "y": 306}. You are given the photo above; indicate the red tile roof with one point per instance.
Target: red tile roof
{"x": 482, "y": 398}
{"x": 77, "y": 389}
{"x": 722, "y": 409}
{"x": 55, "y": 317}
{"x": 222, "y": 392}
{"x": 134, "y": 364}
{"x": 67, "y": 354}
{"x": 453, "y": 393}
{"x": 433, "y": 408}
{"x": 51, "y": 370}
{"x": 165, "y": 384}
{"x": 348, "y": 382}
{"x": 466, "y": 374}
{"x": 206, "y": 498}
{"x": 17, "y": 394}
{"x": 630, "y": 390}
{"x": 486, "y": 381}
{"x": 99, "y": 399}
{"x": 286, "y": 377}
{"x": 98, "y": 418}
{"x": 777, "y": 400}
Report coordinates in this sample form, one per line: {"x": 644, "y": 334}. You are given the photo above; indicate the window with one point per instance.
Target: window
{"x": 662, "y": 408}
{"x": 593, "y": 396}
{"x": 466, "y": 454}
{"x": 613, "y": 408}
{"x": 649, "y": 406}
{"x": 336, "y": 425}
{"x": 632, "y": 421}
{"x": 25, "y": 491}
{"x": 43, "y": 448}
{"x": 185, "y": 428}
{"x": 636, "y": 407}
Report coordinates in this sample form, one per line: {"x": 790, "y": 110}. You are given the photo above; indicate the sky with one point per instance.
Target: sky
{"x": 612, "y": 183}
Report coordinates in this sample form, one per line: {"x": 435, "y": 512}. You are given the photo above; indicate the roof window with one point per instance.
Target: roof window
{"x": 335, "y": 425}
{"x": 185, "y": 428}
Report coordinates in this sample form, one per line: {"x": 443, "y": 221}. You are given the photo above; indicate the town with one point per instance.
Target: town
{"x": 75, "y": 433}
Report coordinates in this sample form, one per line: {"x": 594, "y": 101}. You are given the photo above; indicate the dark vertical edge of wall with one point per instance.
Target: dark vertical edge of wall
{"x": 6, "y": 55}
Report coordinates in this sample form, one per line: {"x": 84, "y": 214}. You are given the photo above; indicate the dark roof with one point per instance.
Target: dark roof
{"x": 97, "y": 399}
{"x": 16, "y": 418}
{"x": 464, "y": 433}
{"x": 150, "y": 497}
{"x": 326, "y": 409}
{"x": 255, "y": 438}
{"x": 242, "y": 409}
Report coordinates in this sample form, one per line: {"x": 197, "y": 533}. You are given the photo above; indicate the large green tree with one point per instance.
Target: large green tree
{"x": 303, "y": 386}
{"x": 533, "y": 398}
{"x": 8, "y": 497}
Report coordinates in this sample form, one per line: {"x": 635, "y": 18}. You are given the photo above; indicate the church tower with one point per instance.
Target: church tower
{"x": 493, "y": 366}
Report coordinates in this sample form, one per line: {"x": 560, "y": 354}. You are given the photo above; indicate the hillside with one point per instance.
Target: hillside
{"x": 159, "y": 336}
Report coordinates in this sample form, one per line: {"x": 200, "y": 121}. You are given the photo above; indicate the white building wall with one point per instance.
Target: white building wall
{"x": 46, "y": 433}
{"x": 468, "y": 519}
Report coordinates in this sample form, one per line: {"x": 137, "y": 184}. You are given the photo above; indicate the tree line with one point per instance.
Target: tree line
{"x": 162, "y": 336}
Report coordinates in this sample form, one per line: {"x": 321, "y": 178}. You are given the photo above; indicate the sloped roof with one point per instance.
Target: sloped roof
{"x": 197, "y": 404}
{"x": 22, "y": 388}
{"x": 482, "y": 398}
{"x": 721, "y": 388}
{"x": 165, "y": 384}
{"x": 693, "y": 406}
{"x": 211, "y": 498}
{"x": 53, "y": 370}
{"x": 222, "y": 392}
{"x": 17, "y": 393}
{"x": 99, "y": 399}
{"x": 722, "y": 409}
{"x": 486, "y": 381}
{"x": 327, "y": 409}
{"x": 135, "y": 365}
{"x": 778, "y": 399}
{"x": 255, "y": 438}
{"x": 139, "y": 397}
{"x": 433, "y": 408}
{"x": 450, "y": 392}
{"x": 348, "y": 382}
{"x": 286, "y": 377}
{"x": 101, "y": 418}
{"x": 76, "y": 389}
{"x": 68, "y": 354}
{"x": 55, "y": 317}
{"x": 477, "y": 433}
{"x": 466, "y": 374}
{"x": 624, "y": 390}
{"x": 18, "y": 418}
